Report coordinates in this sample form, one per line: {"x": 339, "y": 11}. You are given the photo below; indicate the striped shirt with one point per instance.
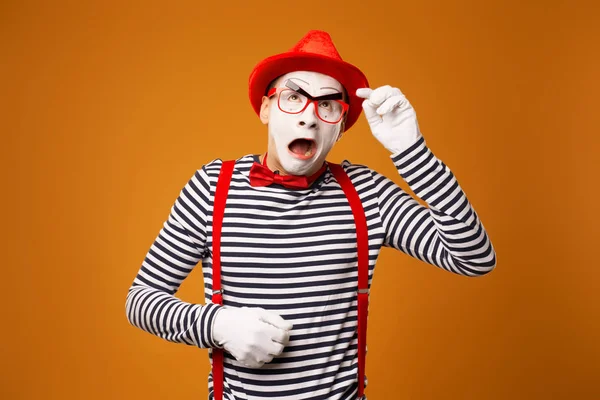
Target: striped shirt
{"x": 293, "y": 252}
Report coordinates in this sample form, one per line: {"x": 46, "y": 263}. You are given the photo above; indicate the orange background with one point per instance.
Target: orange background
{"x": 108, "y": 109}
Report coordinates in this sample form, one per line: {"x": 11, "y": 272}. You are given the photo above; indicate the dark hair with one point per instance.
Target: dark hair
{"x": 271, "y": 84}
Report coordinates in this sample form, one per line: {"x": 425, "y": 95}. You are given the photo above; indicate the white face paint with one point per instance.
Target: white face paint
{"x": 284, "y": 128}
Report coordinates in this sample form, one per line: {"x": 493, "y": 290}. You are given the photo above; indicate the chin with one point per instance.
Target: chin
{"x": 296, "y": 167}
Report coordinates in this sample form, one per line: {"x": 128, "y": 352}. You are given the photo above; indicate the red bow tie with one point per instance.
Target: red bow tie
{"x": 261, "y": 175}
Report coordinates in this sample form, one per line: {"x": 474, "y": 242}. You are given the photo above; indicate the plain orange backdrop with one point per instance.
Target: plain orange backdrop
{"x": 109, "y": 107}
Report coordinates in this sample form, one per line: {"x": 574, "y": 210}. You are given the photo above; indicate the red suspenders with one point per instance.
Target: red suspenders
{"x": 362, "y": 239}
{"x": 217, "y": 295}
{"x": 362, "y": 244}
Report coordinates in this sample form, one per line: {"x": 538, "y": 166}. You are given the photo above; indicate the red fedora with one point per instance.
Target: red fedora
{"x": 314, "y": 52}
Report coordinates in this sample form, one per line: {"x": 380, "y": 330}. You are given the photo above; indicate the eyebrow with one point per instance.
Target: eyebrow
{"x": 299, "y": 80}
{"x": 326, "y": 87}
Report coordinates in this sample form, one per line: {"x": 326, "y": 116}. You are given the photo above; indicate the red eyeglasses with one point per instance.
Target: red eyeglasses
{"x": 294, "y": 100}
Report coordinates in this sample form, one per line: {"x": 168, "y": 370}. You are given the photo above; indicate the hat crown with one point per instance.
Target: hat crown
{"x": 317, "y": 42}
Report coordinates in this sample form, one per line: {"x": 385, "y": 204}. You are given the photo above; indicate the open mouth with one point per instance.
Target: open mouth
{"x": 303, "y": 149}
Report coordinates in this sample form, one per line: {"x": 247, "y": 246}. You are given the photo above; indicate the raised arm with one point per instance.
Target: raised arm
{"x": 447, "y": 233}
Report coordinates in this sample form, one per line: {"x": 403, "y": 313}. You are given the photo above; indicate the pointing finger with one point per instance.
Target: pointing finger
{"x": 364, "y": 92}
{"x": 383, "y": 93}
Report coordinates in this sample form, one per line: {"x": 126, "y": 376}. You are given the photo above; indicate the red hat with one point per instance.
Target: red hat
{"x": 314, "y": 52}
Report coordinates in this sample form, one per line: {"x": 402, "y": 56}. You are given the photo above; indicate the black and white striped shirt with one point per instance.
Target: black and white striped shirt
{"x": 293, "y": 252}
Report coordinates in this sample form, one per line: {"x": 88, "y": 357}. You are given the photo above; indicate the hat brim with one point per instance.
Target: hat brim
{"x": 272, "y": 67}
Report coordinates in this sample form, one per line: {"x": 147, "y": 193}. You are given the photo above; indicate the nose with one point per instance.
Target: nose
{"x": 308, "y": 118}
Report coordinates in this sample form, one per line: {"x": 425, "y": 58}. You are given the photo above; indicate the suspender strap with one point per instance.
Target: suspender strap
{"x": 217, "y": 296}
{"x": 362, "y": 239}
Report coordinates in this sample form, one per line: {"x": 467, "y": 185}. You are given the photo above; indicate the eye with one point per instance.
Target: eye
{"x": 325, "y": 104}
{"x": 294, "y": 97}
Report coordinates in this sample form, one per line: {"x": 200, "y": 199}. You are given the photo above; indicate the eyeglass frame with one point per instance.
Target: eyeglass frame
{"x": 333, "y": 96}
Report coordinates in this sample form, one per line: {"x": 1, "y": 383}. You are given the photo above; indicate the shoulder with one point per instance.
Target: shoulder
{"x": 212, "y": 168}
{"x": 356, "y": 172}
{"x": 208, "y": 174}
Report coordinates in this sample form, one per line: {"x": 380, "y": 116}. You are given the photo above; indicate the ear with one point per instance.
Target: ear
{"x": 264, "y": 110}
{"x": 342, "y": 128}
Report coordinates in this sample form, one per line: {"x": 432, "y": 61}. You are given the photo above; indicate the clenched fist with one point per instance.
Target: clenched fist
{"x": 252, "y": 335}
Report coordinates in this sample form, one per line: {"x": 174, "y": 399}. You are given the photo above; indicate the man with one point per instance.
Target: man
{"x": 288, "y": 238}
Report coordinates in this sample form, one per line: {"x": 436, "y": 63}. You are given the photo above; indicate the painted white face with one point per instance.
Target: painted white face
{"x": 302, "y": 140}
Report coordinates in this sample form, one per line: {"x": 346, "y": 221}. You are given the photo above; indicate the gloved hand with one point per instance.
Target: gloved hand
{"x": 252, "y": 335}
{"x": 391, "y": 117}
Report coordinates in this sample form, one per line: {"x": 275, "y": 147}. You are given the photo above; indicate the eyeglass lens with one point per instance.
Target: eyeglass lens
{"x": 293, "y": 102}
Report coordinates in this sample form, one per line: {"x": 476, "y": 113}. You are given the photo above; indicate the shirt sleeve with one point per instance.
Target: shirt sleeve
{"x": 151, "y": 304}
{"x": 447, "y": 233}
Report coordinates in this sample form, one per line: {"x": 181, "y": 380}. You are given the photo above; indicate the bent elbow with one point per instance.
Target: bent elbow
{"x": 475, "y": 268}
{"x": 487, "y": 266}
{"x": 129, "y": 305}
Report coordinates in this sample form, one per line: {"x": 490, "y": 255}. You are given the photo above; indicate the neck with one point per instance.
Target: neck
{"x": 273, "y": 164}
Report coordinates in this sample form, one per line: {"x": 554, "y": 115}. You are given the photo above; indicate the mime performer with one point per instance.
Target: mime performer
{"x": 282, "y": 236}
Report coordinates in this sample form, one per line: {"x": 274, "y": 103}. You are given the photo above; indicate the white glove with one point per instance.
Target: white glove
{"x": 252, "y": 335}
{"x": 392, "y": 118}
